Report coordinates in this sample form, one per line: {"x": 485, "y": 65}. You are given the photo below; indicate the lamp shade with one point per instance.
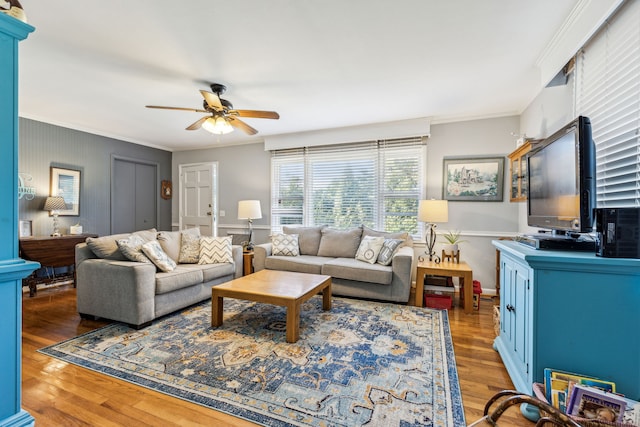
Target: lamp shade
{"x": 249, "y": 209}
{"x": 55, "y": 203}
{"x": 433, "y": 211}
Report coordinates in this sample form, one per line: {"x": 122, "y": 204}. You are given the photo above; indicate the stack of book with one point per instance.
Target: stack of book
{"x": 590, "y": 398}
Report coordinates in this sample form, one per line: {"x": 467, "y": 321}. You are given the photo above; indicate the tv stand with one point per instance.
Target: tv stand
{"x": 571, "y": 311}
{"x": 558, "y": 242}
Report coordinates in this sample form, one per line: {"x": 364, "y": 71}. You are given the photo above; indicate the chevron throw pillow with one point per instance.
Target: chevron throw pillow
{"x": 285, "y": 244}
{"x": 215, "y": 250}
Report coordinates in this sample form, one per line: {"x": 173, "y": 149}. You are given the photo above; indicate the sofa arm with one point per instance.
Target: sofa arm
{"x": 82, "y": 253}
{"x": 236, "y": 251}
{"x": 402, "y": 266}
{"x": 260, "y": 254}
{"x": 116, "y": 290}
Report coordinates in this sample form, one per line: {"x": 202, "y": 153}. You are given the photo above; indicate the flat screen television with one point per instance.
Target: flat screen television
{"x": 562, "y": 193}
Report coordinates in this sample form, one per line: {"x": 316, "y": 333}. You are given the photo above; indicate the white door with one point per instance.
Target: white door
{"x": 198, "y": 197}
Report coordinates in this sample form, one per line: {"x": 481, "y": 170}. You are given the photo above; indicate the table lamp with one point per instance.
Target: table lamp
{"x": 249, "y": 210}
{"x": 430, "y": 212}
{"x": 54, "y": 204}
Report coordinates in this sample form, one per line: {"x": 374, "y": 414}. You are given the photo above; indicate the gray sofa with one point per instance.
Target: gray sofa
{"x": 323, "y": 250}
{"x": 111, "y": 286}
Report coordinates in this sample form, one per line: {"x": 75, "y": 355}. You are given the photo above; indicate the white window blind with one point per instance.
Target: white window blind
{"x": 377, "y": 184}
{"x": 608, "y": 92}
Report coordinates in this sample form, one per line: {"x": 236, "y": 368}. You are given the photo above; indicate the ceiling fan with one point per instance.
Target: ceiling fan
{"x": 222, "y": 118}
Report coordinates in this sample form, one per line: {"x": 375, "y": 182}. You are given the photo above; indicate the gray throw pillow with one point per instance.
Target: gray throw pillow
{"x": 389, "y": 248}
{"x": 339, "y": 243}
{"x": 106, "y": 247}
{"x": 308, "y": 238}
{"x": 132, "y": 248}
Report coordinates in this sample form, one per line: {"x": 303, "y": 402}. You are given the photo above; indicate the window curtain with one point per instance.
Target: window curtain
{"x": 608, "y": 92}
{"x": 375, "y": 183}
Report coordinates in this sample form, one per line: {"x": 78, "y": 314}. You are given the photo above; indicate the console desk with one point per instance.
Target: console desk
{"x": 50, "y": 252}
{"x": 569, "y": 310}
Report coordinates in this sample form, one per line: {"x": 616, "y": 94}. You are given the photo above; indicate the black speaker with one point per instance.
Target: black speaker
{"x": 618, "y": 232}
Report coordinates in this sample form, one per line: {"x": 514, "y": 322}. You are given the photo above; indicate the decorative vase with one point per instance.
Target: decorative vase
{"x": 13, "y": 8}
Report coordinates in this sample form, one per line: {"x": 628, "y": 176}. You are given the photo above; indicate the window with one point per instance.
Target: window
{"x": 377, "y": 184}
{"x": 608, "y": 92}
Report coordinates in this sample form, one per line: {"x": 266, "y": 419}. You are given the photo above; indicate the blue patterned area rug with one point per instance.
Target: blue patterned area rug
{"x": 360, "y": 364}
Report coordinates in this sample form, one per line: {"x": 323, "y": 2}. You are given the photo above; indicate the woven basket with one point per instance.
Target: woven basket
{"x": 538, "y": 391}
{"x": 496, "y": 320}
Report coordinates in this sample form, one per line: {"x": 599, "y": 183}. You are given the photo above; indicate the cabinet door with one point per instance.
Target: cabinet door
{"x": 514, "y": 324}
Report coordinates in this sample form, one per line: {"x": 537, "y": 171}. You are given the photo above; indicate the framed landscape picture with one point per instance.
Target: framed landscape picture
{"x": 66, "y": 183}
{"x": 478, "y": 179}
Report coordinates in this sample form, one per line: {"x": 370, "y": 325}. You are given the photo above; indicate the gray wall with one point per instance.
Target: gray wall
{"x": 43, "y": 145}
{"x": 244, "y": 173}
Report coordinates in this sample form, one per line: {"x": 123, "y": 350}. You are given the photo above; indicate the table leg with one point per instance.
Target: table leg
{"x": 468, "y": 293}
{"x": 419, "y": 295}
{"x": 326, "y": 298}
{"x": 217, "y": 307}
{"x": 293, "y": 321}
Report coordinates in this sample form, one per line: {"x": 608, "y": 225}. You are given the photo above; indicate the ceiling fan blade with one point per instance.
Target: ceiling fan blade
{"x": 256, "y": 114}
{"x": 213, "y": 100}
{"x": 196, "y": 125}
{"x": 239, "y": 124}
{"x": 177, "y": 108}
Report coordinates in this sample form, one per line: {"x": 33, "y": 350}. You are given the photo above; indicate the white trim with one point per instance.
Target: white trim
{"x": 582, "y": 23}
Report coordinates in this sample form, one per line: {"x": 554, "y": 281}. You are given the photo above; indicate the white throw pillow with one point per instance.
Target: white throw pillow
{"x": 215, "y": 250}
{"x": 189, "y": 247}
{"x": 369, "y": 249}
{"x": 154, "y": 251}
{"x": 285, "y": 244}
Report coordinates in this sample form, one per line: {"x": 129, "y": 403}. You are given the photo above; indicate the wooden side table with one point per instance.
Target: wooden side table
{"x": 247, "y": 263}
{"x": 51, "y": 252}
{"x": 449, "y": 269}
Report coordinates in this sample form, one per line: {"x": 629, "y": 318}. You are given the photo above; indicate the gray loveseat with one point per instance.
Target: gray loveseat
{"x": 111, "y": 286}
{"x": 323, "y": 250}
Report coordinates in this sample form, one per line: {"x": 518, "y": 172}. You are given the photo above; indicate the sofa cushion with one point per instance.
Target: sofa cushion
{"x": 106, "y": 247}
{"x": 308, "y": 238}
{"x": 389, "y": 248}
{"x": 402, "y": 235}
{"x": 131, "y": 248}
{"x": 369, "y": 249}
{"x": 352, "y": 269}
{"x": 170, "y": 243}
{"x": 177, "y": 279}
{"x": 285, "y": 244}
{"x": 211, "y": 271}
{"x": 147, "y": 235}
{"x": 189, "y": 246}
{"x": 302, "y": 264}
{"x": 215, "y": 250}
{"x": 154, "y": 251}
{"x": 339, "y": 243}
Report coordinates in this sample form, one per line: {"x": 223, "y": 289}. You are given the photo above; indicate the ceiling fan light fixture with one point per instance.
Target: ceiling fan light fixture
{"x": 217, "y": 125}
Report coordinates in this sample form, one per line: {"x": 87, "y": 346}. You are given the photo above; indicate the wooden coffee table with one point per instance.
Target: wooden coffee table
{"x": 284, "y": 288}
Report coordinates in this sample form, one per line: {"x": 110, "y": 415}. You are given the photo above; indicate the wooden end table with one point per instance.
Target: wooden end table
{"x": 51, "y": 252}
{"x": 449, "y": 269}
{"x": 283, "y": 288}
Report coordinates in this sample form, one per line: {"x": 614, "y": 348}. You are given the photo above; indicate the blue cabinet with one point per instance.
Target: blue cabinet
{"x": 569, "y": 310}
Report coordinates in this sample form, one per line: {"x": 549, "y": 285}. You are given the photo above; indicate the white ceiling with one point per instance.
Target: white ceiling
{"x": 94, "y": 65}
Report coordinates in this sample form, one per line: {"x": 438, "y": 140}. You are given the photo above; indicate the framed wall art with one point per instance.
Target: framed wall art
{"x": 477, "y": 179}
{"x": 25, "y": 228}
{"x": 66, "y": 183}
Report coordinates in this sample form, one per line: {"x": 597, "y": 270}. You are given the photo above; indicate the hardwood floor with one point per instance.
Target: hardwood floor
{"x": 59, "y": 394}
